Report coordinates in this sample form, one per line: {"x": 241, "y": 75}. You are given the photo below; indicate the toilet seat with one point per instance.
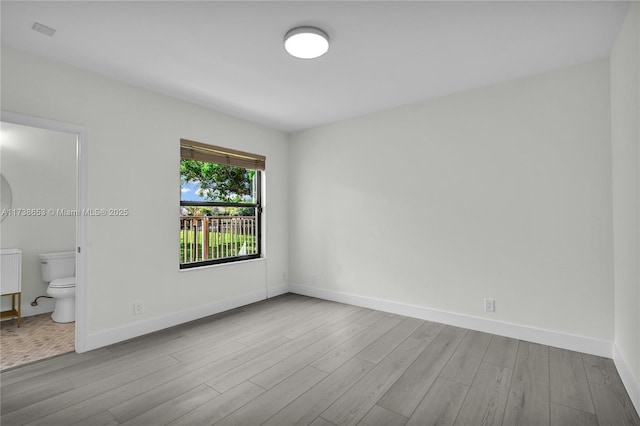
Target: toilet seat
{"x": 63, "y": 282}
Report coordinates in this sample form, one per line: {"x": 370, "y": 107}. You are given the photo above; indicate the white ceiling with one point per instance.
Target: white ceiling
{"x": 229, "y": 56}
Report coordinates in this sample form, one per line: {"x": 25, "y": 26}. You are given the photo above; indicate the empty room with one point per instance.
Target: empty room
{"x": 320, "y": 213}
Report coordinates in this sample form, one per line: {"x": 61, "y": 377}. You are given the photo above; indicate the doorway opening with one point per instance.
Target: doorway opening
{"x": 43, "y": 163}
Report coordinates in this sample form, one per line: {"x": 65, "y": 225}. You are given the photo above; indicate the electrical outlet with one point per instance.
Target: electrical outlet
{"x": 137, "y": 308}
{"x": 490, "y": 305}
{"x": 284, "y": 276}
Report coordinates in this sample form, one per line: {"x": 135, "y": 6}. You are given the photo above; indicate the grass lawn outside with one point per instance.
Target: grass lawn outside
{"x": 221, "y": 245}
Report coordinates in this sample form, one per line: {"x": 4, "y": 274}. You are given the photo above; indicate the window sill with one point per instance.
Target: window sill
{"x": 222, "y": 265}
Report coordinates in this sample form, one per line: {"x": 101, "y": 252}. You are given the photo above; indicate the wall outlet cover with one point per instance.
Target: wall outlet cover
{"x": 490, "y": 305}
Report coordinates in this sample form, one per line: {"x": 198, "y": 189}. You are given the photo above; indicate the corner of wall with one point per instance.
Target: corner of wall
{"x": 625, "y": 142}
{"x": 630, "y": 383}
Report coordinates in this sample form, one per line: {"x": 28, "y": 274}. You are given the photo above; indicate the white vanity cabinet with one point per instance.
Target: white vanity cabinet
{"x": 11, "y": 281}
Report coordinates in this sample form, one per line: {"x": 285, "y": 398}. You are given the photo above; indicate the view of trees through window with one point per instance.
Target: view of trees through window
{"x": 219, "y": 213}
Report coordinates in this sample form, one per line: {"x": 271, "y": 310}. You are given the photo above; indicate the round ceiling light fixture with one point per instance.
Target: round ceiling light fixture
{"x": 306, "y": 42}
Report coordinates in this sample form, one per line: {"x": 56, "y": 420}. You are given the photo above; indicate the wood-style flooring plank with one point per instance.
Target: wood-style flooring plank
{"x": 49, "y": 365}
{"x": 220, "y": 407}
{"x": 188, "y": 375}
{"x": 235, "y": 376}
{"x": 613, "y": 405}
{"x": 260, "y": 409}
{"x": 259, "y": 334}
{"x": 145, "y": 342}
{"x": 72, "y": 397}
{"x": 528, "y": 401}
{"x": 464, "y": 362}
{"x": 65, "y": 373}
{"x": 139, "y": 395}
{"x": 204, "y": 343}
{"x": 351, "y": 407}
{"x": 332, "y": 312}
{"x": 441, "y": 405}
{"x": 485, "y": 402}
{"x": 319, "y": 421}
{"x": 275, "y": 312}
{"x": 280, "y": 371}
{"x": 382, "y": 347}
{"x": 90, "y": 406}
{"x": 205, "y": 325}
{"x": 502, "y": 351}
{"x": 39, "y": 394}
{"x": 123, "y": 364}
{"x": 103, "y": 418}
{"x": 175, "y": 407}
{"x": 379, "y": 416}
{"x": 406, "y": 393}
{"x": 601, "y": 370}
{"x": 104, "y": 364}
{"x": 309, "y": 405}
{"x": 566, "y": 416}
{"x": 333, "y": 359}
{"x": 136, "y": 405}
{"x": 568, "y": 382}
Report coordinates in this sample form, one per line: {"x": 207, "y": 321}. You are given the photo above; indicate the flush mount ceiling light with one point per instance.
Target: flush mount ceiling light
{"x": 306, "y": 42}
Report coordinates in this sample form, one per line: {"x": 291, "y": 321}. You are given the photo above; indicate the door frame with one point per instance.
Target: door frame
{"x": 82, "y": 288}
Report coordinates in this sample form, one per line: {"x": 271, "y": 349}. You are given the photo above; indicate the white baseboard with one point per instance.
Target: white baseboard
{"x": 43, "y": 307}
{"x": 140, "y": 328}
{"x": 629, "y": 381}
{"x": 516, "y": 331}
{"x": 531, "y": 334}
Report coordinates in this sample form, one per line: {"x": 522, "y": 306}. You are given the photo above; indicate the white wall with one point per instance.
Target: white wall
{"x": 502, "y": 192}
{"x": 133, "y": 163}
{"x": 40, "y": 166}
{"x": 625, "y": 132}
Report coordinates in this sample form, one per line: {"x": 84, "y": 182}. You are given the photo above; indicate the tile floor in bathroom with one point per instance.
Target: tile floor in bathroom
{"x": 38, "y": 337}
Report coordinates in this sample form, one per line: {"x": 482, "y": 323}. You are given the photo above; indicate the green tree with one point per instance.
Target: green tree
{"x": 218, "y": 182}
{"x": 197, "y": 211}
{"x": 241, "y": 211}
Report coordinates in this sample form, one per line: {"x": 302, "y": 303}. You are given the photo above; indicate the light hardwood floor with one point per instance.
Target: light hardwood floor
{"x": 299, "y": 360}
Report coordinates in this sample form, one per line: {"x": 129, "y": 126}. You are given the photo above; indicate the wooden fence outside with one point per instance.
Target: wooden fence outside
{"x": 216, "y": 237}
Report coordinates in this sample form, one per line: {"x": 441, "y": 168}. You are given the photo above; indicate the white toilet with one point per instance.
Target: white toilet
{"x": 59, "y": 270}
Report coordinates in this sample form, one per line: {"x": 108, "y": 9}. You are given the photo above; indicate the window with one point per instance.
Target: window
{"x": 220, "y": 204}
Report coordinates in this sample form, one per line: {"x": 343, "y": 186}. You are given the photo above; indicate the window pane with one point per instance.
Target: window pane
{"x": 223, "y": 233}
{"x": 219, "y": 213}
{"x": 202, "y": 181}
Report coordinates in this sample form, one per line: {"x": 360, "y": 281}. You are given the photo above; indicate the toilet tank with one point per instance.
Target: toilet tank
{"x": 58, "y": 265}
